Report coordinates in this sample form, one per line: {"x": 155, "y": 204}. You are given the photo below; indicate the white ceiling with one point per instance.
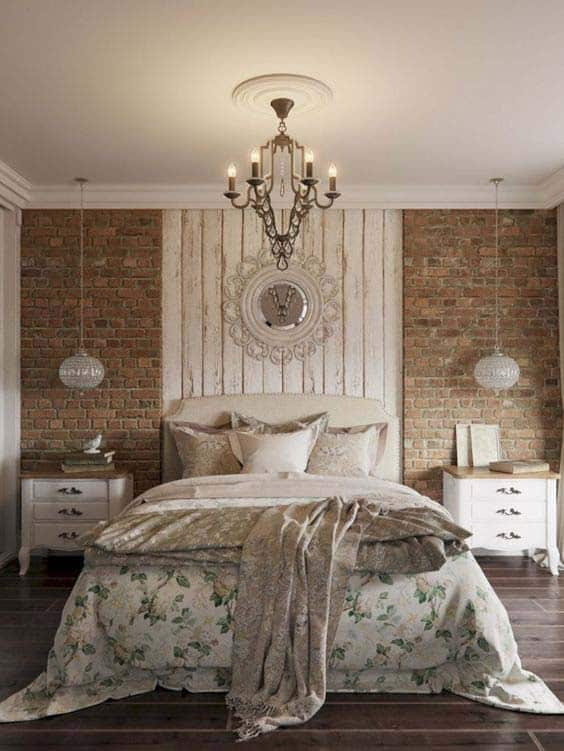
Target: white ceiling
{"x": 427, "y": 92}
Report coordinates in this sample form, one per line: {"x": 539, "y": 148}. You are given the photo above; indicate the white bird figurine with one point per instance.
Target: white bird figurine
{"x": 92, "y": 447}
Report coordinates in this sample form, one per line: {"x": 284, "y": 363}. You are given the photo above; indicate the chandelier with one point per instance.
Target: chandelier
{"x": 268, "y": 165}
{"x": 496, "y": 371}
{"x": 81, "y": 370}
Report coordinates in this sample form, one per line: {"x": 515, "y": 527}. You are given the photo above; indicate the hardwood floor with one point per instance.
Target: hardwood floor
{"x": 29, "y": 614}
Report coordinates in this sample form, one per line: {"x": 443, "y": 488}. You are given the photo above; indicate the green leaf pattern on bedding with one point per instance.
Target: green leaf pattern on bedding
{"x": 126, "y": 629}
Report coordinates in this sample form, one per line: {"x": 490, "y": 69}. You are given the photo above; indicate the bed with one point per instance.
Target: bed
{"x": 134, "y": 622}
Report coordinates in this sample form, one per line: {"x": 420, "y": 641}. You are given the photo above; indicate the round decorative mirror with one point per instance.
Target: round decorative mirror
{"x": 283, "y": 305}
{"x": 280, "y": 315}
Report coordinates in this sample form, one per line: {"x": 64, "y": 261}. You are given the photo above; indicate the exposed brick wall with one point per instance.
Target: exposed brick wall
{"x": 448, "y": 325}
{"x": 448, "y": 308}
{"x": 122, "y": 328}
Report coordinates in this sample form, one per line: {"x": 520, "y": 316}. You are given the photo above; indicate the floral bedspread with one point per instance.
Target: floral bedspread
{"x": 128, "y": 627}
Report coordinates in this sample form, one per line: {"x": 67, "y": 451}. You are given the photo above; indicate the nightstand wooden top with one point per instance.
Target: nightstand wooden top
{"x": 483, "y": 473}
{"x": 52, "y": 473}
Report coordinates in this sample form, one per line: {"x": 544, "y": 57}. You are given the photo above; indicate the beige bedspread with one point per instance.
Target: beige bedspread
{"x": 295, "y": 563}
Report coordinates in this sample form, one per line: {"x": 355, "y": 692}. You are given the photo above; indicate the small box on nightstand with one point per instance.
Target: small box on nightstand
{"x": 505, "y": 512}
{"x": 58, "y": 508}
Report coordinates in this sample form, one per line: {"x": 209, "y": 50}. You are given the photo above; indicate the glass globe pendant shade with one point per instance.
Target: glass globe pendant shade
{"x": 81, "y": 371}
{"x": 496, "y": 371}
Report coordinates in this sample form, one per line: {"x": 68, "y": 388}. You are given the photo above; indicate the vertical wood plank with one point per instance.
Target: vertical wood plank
{"x": 313, "y": 245}
{"x": 272, "y": 373}
{"x": 212, "y": 355}
{"x": 373, "y": 258}
{"x": 292, "y": 372}
{"x": 172, "y": 307}
{"x": 393, "y": 296}
{"x": 252, "y": 244}
{"x": 333, "y": 350}
{"x": 192, "y": 303}
{"x": 353, "y": 328}
{"x": 232, "y": 353}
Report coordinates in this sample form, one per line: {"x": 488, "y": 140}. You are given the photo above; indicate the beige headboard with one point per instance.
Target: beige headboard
{"x": 344, "y": 411}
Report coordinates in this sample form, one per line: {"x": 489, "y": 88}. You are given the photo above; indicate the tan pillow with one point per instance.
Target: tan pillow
{"x": 349, "y": 452}
{"x": 318, "y": 422}
{"x": 204, "y": 450}
{"x": 272, "y": 452}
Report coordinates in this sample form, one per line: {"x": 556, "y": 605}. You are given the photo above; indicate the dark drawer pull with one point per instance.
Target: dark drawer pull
{"x": 509, "y": 491}
{"x": 70, "y": 512}
{"x": 510, "y": 536}
{"x": 69, "y": 535}
{"x": 70, "y": 491}
{"x": 511, "y": 512}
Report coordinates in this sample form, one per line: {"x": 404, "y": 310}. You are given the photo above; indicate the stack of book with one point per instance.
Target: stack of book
{"x": 81, "y": 462}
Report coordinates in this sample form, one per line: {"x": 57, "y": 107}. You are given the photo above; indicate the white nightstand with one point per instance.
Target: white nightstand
{"x": 57, "y": 508}
{"x": 504, "y": 512}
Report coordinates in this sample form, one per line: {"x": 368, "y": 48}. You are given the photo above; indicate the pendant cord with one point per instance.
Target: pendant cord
{"x": 496, "y": 269}
{"x": 81, "y": 265}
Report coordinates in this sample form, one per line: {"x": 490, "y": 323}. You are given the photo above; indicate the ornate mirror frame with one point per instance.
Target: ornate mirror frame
{"x": 243, "y": 314}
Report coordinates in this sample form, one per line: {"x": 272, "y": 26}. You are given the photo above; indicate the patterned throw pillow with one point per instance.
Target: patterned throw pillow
{"x": 318, "y": 423}
{"x": 272, "y": 452}
{"x": 349, "y": 452}
{"x": 204, "y": 450}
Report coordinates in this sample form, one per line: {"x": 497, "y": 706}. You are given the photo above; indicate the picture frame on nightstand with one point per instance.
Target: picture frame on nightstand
{"x": 463, "y": 445}
{"x": 486, "y": 444}
{"x": 477, "y": 444}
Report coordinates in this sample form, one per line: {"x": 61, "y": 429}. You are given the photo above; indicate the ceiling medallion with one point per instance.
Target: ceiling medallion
{"x": 284, "y": 162}
{"x": 280, "y": 316}
{"x": 256, "y": 94}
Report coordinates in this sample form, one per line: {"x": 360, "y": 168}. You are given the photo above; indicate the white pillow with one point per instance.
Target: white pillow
{"x": 273, "y": 452}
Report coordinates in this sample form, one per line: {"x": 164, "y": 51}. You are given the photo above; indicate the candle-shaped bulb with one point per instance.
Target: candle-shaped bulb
{"x": 332, "y": 178}
{"x": 255, "y": 163}
{"x": 308, "y": 156}
{"x": 231, "y": 175}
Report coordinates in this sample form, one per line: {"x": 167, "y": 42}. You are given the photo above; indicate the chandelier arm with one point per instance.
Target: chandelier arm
{"x": 245, "y": 203}
{"x": 330, "y": 200}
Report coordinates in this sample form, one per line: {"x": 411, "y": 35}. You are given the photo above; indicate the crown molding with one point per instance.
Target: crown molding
{"x": 353, "y": 196}
{"x": 15, "y": 190}
{"x": 552, "y": 189}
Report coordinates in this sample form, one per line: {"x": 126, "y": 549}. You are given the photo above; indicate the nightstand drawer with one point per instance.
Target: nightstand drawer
{"x": 70, "y": 511}
{"x": 509, "y": 535}
{"x": 504, "y": 490}
{"x": 59, "y": 536}
{"x": 508, "y": 508}
{"x": 57, "y": 490}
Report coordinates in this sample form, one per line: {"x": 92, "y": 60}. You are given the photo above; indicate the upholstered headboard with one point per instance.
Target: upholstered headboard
{"x": 344, "y": 411}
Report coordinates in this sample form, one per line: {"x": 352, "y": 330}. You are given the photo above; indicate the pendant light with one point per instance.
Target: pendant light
{"x": 496, "y": 371}
{"x": 81, "y": 371}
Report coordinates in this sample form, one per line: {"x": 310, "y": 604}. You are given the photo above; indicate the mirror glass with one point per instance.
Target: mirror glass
{"x": 283, "y": 305}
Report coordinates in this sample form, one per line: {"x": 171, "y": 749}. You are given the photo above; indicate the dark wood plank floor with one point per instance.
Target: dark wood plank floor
{"x": 29, "y": 614}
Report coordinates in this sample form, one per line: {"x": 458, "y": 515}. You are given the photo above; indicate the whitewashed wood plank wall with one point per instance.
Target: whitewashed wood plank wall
{"x": 362, "y": 249}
